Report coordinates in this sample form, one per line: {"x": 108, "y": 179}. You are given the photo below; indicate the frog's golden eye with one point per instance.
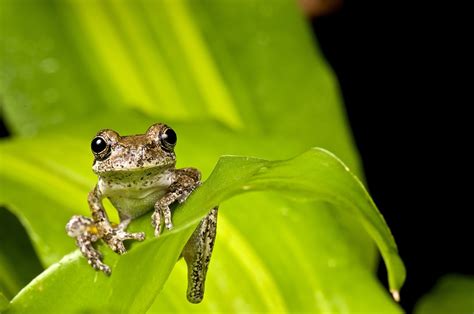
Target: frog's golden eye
{"x": 168, "y": 138}
{"x": 99, "y": 147}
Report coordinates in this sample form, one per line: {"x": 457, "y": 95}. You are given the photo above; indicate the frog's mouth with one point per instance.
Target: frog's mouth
{"x": 106, "y": 168}
{"x": 135, "y": 184}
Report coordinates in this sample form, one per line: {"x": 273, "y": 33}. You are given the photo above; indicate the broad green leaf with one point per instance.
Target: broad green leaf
{"x": 18, "y": 261}
{"x": 251, "y": 65}
{"x": 315, "y": 176}
{"x": 452, "y": 294}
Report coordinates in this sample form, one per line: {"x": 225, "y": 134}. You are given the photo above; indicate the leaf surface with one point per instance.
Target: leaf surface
{"x": 138, "y": 276}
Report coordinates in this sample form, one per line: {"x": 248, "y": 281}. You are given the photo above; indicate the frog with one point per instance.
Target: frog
{"x": 137, "y": 174}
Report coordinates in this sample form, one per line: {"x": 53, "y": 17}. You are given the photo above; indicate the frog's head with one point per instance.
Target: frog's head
{"x": 152, "y": 150}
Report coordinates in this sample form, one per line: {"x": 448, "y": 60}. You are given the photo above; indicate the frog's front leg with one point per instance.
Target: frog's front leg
{"x": 185, "y": 181}
{"x": 113, "y": 236}
{"x": 85, "y": 231}
{"x": 197, "y": 254}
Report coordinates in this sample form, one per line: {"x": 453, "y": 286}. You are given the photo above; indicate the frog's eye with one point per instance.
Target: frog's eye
{"x": 99, "y": 146}
{"x": 168, "y": 138}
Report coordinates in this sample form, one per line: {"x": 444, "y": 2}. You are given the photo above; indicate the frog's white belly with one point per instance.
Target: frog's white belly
{"x": 135, "y": 195}
{"x": 136, "y": 206}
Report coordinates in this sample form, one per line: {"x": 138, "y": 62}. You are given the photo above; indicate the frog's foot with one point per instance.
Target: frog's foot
{"x": 94, "y": 258}
{"x": 187, "y": 180}
{"x": 114, "y": 238}
{"x": 156, "y": 218}
{"x": 86, "y": 233}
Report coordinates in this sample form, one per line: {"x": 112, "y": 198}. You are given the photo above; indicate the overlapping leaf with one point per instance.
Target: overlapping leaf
{"x": 139, "y": 275}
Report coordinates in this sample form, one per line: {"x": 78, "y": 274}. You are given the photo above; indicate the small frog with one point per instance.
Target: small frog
{"x": 137, "y": 174}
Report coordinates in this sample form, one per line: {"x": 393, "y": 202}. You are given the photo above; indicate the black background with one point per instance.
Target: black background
{"x": 403, "y": 74}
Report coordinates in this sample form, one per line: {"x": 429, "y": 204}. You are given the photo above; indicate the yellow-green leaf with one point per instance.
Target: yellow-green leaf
{"x": 313, "y": 178}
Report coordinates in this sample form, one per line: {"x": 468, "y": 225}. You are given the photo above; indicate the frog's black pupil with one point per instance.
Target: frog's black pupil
{"x": 98, "y": 145}
{"x": 170, "y": 137}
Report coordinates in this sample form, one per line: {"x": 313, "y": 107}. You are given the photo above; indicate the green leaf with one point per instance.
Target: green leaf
{"x": 138, "y": 276}
{"x": 251, "y": 65}
{"x": 452, "y": 294}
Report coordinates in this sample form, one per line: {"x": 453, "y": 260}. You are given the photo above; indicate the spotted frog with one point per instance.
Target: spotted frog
{"x": 137, "y": 174}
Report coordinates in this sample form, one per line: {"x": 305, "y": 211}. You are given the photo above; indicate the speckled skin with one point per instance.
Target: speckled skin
{"x": 137, "y": 174}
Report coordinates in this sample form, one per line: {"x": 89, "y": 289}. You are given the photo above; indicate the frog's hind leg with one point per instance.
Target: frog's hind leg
{"x": 197, "y": 254}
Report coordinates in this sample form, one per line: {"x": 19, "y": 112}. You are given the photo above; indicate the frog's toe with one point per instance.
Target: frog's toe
{"x": 94, "y": 255}
{"x": 105, "y": 269}
{"x": 98, "y": 265}
{"x": 116, "y": 241}
{"x": 122, "y": 235}
{"x": 116, "y": 244}
{"x": 120, "y": 249}
{"x": 156, "y": 223}
{"x": 157, "y": 231}
{"x": 167, "y": 216}
{"x": 139, "y": 236}
{"x": 169, "y": 225}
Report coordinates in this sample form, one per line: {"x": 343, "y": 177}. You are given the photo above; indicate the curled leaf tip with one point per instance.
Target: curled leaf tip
{"x": 395, "y": 295}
